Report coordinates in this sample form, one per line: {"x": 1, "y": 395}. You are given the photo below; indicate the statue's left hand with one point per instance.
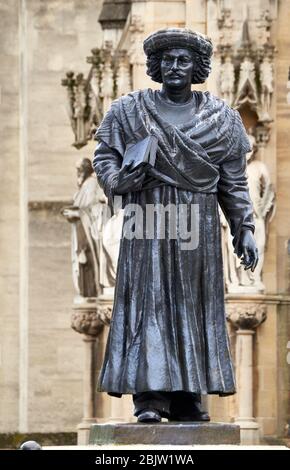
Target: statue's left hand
{"x": 249, "y": 250}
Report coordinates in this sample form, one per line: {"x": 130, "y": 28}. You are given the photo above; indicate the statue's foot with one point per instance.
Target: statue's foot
{"x": 149, "y": 416}
{"x": 197, "y": 416}
{"x": 193, "y": 412}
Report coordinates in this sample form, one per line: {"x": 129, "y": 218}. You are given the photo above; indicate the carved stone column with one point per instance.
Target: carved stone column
{"x": 107, "y": 82}
{"x": 245, "y": 318}
{"x": 86, "y": 320}
{"x": 117, "y": 412}
{"x": 123, "y": 76}
{"x": 135, "y": 52}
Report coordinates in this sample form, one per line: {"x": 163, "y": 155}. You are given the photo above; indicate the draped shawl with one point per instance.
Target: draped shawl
{"x": 207, "y": 154}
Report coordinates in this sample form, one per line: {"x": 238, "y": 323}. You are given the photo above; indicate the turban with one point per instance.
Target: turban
{"x": 177, "y": 38}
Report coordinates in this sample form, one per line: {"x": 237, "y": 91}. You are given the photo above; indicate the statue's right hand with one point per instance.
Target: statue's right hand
{"x": 129, "y": 180}
{"x": 71, "y": 214}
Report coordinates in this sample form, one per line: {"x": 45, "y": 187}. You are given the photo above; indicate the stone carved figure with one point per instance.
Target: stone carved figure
{"x": 267, "y": 79}
{"x": 107, "y": 81}
{"x": 227, "y": 80}
{"x": 168, "y": 340}
{"x": 80, "y": 107}
{"x": 225, "y": 26}
{"x": 264, "y": 26}
{"x": 93, "y": 246}
{"x": 263, "y": 197}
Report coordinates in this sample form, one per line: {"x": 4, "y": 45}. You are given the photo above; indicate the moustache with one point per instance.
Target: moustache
{"x": 174, "y": 75}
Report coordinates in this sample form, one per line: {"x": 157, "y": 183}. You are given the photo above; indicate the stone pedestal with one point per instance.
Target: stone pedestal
{"x": 165, "y": 434}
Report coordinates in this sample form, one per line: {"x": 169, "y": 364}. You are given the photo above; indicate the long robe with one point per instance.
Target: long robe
{"x": 168, "y": 328}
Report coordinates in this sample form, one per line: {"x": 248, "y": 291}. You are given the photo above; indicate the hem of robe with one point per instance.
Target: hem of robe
{"x": 198, "y": 392}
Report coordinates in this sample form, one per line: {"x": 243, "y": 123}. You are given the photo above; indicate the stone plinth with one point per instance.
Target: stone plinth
{"x": 165, "y": 433}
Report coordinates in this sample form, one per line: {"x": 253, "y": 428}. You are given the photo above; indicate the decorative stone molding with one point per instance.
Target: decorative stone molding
{"x": 225, "y": 25}
{"x": 122, "y": 71}
{"x": 246, "y": 316}
{"x": 96, "y": 60}
{"x": 87, "y": 321}
{"x": 246, "y": 92}
{"x": 80, "y": 107}
{"x": 89, "y": 317}
{"x": 108, "y": 79}
{"x": 264, "y": 28}
{"x": 135, "y": 53}
{"x": 105, "y": 313}
{"x": 227, "y": 79}
{"x": 112, "y": 68}
{"x": 88, "y": 99}
{"x": 247, "y": 69}
{"x": 51, "y": 206}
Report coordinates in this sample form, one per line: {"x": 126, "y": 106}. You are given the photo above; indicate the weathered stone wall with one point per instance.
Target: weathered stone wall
{"x": 9, "y": 210}
{"x": 59, "y": 37}
{"x": 41, "y": 357}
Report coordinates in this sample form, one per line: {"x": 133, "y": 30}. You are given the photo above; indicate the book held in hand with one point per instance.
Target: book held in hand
{"x": 143, "y": 153}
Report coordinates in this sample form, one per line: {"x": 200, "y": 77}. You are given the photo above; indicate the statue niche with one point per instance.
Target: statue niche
{"x": 263, "y": 197}
{"x": 95, "y": 242}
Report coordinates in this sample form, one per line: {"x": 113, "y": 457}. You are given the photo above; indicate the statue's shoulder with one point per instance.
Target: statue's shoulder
{"x": 128, "y": 99}
{"x": 215, "y": 106}
{"x": 216, "y": 103}
{"x": 128, "y": 104}
{"x": 91, "y": 182}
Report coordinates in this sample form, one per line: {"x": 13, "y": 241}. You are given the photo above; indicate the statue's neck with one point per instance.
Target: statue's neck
{"x": 176, "y": 95}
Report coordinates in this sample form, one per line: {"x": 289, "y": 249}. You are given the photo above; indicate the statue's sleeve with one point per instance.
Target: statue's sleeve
{"x": 109, "y": 153}
{"x": 233, "y": 191}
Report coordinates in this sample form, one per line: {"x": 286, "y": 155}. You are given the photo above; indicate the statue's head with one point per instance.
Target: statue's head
{"x": 176, "y": 56}
{"x": 84, "y": 170}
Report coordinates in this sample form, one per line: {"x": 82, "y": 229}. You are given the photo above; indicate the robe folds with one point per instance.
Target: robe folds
{"x": 168, "y": 328}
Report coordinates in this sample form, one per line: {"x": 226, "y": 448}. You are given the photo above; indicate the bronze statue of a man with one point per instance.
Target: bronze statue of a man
{"x": 168, "y": 341}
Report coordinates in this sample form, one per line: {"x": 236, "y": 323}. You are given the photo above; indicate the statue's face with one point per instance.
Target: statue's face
{"x": 80, "y": 177}
{"x": 83, "y": 172}
{"x": 176, "y": 67}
